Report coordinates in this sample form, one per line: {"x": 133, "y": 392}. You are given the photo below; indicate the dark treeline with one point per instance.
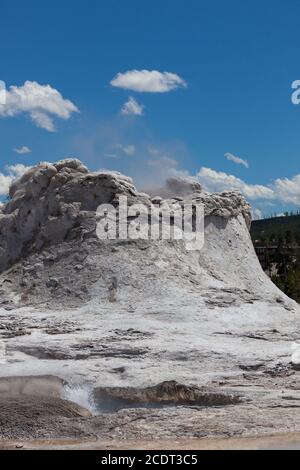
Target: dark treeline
{"x": 277, "y": 243}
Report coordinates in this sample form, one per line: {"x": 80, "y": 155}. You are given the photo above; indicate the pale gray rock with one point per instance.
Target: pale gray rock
{"x": 48, "y": 201}
{"x": 136, "y": 313}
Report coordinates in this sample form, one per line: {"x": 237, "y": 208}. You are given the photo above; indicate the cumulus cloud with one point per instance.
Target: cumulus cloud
{"x": 12, "y": 172}
{"x": 132, "y": 107}
{"x": 127, "y": 149}
{"x": 288, "y": 190}
{"x": 237, "y": 160}
{"x": 5, "y": 181}
{"x": 149, "y": 81}
{"x": 216, "y": 181}
{"x": 256, "y": 213}
{"x": 42, "y": 102}
{"x": 22, "y": 150}
{"x": 285, "y": 190}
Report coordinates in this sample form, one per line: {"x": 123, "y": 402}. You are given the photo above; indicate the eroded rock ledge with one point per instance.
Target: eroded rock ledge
{"x": 166, "y": 393}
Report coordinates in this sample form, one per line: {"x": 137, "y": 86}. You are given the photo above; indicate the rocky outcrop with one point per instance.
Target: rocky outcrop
{"x": 52, "y": 203}
{"x": 49, "y": 202}
{"x": 165, "y": 393}
{"x": 48, "y": 235}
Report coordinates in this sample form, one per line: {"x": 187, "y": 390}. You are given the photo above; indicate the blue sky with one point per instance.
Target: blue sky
{"x": 234, "y": 63}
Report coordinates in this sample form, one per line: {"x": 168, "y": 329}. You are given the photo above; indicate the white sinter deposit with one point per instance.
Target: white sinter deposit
{"x": 136, "y": 313}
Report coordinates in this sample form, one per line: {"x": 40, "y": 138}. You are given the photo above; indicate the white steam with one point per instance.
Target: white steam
{"x": 80, "y": 394}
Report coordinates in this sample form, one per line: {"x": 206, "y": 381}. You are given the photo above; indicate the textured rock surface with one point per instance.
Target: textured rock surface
{"x": 34, "y": 416}
{"x": 137, "y": 313}
{"x": 50, "y": 253}
{"x": 48, "y": 386}
{"x": 165, "y": 393}
{"x": 49, "y": 202}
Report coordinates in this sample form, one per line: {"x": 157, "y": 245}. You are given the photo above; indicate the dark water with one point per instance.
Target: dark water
{"x": 112, "y": 405}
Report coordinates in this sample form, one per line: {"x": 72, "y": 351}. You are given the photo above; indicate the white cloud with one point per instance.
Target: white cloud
{"x": 216, "y": 181}
{"x": 150, "y": 81}
{"x": 132, "y": 107}
{"x": 237, "y": 160}
{"x": 256, "y": 213}
{"x": 288, "y": 190}
{"x": 284, "y": 190}
{"x": 13, "y": 172}
{"x": 5, "y": 182}
{"x": 22, "y": 150}
{"x": 43, "y": 120}
{"x": 2, "y": 92}
{"x": 17, "y": 170}
{"x": 42, "y": 102}
{"x": 127, "y": 149}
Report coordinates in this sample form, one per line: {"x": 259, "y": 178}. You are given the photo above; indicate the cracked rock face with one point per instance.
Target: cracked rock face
{"x": 130, "y": 314}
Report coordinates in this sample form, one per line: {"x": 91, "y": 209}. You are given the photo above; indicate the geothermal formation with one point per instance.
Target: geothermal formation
{"x": 137, "y": 339}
